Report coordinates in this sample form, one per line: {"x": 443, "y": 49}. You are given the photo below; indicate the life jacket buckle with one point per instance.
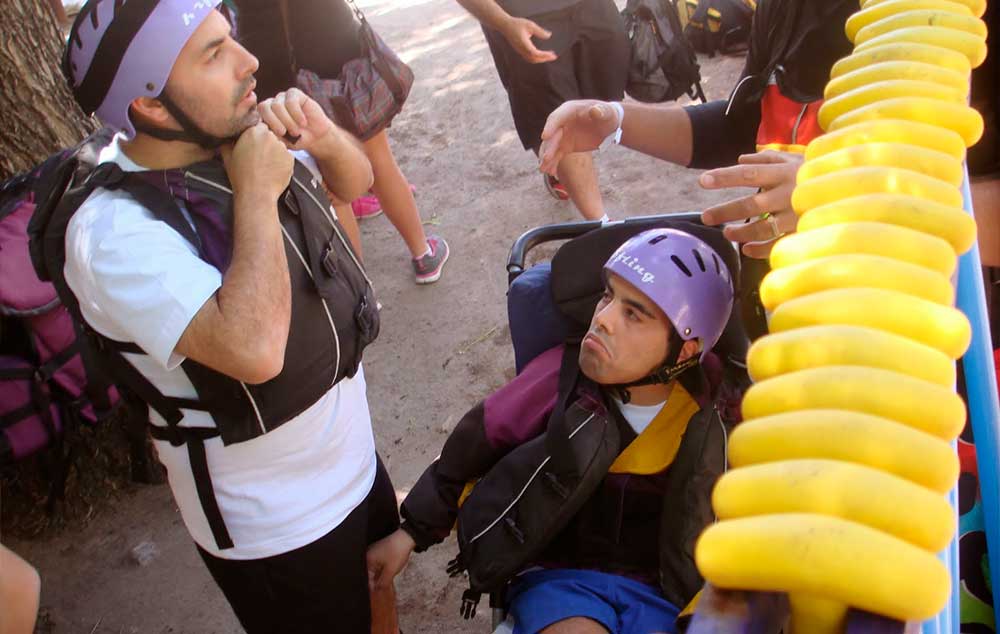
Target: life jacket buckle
{"x": 329, "y": 259}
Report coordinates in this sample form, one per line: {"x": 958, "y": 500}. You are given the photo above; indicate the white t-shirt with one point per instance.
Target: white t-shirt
{"x": 138, "y": 280}
{"x": 638, "y": 416}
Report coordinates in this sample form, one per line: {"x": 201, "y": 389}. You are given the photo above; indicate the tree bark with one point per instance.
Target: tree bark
{"x": 38, "y": 115}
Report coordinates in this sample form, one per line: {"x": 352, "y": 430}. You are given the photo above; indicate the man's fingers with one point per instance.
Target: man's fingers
{"x": 295, "y": 110}
{"x": 540, "y": 57}
{"x": 227, "y": 152}
{"x": 269, "y": 119}
{"x": 758, "y": 250}
{"x": 538, "y": 31}
{"x": 767, "y": 156}
{"x": 551, "y": 164}
{"x": 731, "y": 211}
{"x": 753, "y": 175}
{"x": 598, "y": 112}
{"x": 548, "y": 153}
{"x": 281, "y": 111}
{"x": 762, "y": 229}
{"x": 531, "y": 52}
{"x": 557, "y": 118}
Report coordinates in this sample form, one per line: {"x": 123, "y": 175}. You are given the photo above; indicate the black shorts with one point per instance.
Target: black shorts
{"x": 319, "y": 588}
{"x": 594, "y": 55}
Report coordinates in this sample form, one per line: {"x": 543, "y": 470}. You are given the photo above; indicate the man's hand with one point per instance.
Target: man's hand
{"x": 518, "y": 33}
{"x": 768, "y": 214}
{"x": 258, "y": 163}
{"x": 575, "y": 126}
{"x": 387, "y": 557}
{"x": 295, "y": 118}
{"x": 302, "y": 125}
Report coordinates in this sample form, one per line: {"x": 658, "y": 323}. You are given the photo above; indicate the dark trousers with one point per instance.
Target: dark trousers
{"x": 594, "y": 51}
{"x": 319, "y": 588}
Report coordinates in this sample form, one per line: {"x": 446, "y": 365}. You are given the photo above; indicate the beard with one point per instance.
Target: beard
{"x": 205, "y": 114}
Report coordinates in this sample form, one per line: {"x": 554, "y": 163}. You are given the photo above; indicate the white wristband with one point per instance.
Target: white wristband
{"x": 616, "y": 136}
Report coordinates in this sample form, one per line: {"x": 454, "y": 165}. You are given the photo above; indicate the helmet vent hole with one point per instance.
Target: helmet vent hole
{"x": 93, "y": 17}
{"x": 680, "y": 264}
{"x": 718, "y": 270}
{"x": 150, "y": 87}
{"x": 697, "y": 257}
{"x": 659, "y": 238}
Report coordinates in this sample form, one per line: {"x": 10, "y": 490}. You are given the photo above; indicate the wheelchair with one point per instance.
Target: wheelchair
{"x": 542, "y": 315}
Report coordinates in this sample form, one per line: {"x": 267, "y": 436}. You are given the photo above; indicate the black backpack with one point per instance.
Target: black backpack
{"x": 721, "y": 26}
{"x": 664, "y": 65}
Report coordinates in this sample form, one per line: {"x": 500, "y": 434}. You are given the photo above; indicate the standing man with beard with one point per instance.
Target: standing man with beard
{"x": 212, "y": 273}
{"x": 550, "y": 51}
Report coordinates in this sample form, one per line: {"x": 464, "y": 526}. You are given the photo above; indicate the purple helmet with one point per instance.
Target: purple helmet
{"x": 119, "y": 50}
{"x": 682, "y": 275}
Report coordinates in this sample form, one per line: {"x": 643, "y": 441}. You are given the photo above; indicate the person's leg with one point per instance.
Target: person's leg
{"x": 601, "y": 50}
{"x": 20, "y": 586}
{"x": 535, "y": 90}
{"x": 561, "y": 601}
{"x": 577, "y": 172}
{"x": 244, "y": 584}
{"x": 575, "y": 625}
{"x": 383, "y": 519}
{"x": 319, "y": 588}
{"x": 394, "y": 193}
{"x": 350, "y": 224}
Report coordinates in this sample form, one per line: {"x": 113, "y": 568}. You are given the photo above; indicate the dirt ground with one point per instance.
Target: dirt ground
{"x": 442, "y": 347}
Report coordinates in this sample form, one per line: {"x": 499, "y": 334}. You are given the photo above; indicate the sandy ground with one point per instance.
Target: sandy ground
{"x": 442, "y": 348}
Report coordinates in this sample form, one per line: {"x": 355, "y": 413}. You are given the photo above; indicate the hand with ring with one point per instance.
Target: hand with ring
{"x": 766, "y": 215}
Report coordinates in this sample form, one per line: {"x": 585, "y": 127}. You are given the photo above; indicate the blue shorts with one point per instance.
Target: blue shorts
{"x": 623, "y": 606}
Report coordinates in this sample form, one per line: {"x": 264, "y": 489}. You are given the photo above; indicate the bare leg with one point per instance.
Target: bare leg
{"x": 19, "y": 592}
{"x": 576, "y": 171}
{"x": 350, "y": 224}
{"x": 575, "y": 625}
{"x": 394, "y": 193}
{"x": 385, "y": 619}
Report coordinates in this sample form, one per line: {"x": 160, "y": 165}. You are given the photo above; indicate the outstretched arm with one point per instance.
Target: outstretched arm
{"x": 765, "y": 215}
{"x": 581, "y": 126}
{"x": 517, "y": 31}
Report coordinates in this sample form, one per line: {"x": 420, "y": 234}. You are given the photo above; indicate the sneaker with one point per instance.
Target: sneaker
{"x": 556, "y": 189}
{"x": 427, "y": 269}
{"x": 367, "y": 206}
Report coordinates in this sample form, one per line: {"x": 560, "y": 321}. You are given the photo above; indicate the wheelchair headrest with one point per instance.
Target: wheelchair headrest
{"x": 577, "y": 283}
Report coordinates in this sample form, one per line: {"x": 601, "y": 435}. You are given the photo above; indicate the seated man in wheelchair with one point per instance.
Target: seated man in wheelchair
{"x": 593, "y": 468}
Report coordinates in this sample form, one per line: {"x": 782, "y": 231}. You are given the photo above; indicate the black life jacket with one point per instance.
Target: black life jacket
{"x": 334, "y": 313}
{"x": 523, "y": 503}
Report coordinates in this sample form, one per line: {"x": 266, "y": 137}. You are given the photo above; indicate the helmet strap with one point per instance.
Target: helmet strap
{"x": 190, "y": 131}
{"x": 668, "y": 371}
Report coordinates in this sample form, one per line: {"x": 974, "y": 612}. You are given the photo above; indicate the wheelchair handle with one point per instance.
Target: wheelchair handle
{"x": 569, "y": 230}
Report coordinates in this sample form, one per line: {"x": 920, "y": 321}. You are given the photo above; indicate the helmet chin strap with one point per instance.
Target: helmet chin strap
{"x": 668, "y": 371}
{"x": 190, "y": 131}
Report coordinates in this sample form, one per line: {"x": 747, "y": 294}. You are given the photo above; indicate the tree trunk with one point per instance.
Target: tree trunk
{"x": 38, "y": 115}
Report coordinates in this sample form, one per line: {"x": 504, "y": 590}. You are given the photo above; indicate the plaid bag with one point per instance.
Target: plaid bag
{"x": 371, "y": 89}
